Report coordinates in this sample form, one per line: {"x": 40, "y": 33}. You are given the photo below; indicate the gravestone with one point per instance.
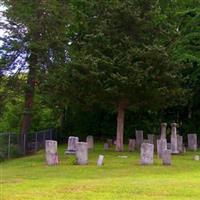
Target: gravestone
{"x": 146, "y": 154}
{"x": 196, "y": 157}
{"x": 161, "y": 147}
{"x": 166, "y": 157}
{"x": 90, "y": 141}
{"x": 110, "y": 142}
{"x": 131, "y": 145}
{"x": 174, "y": 140}
{"x": 106, "y": 146}
{"x": 51, "y": 153}
{"x": 71, "y": 147}
{"x": 180, "y": 143}
{"x": 146, "y": 141}
{"x": 100, "y": 160}
{"x": 192, "y": 142}
{"x": 82, "y": 153}
{"x": 169, "y": 146}
{"x": 151, "y": 138}
{"x": 139, "y": 138}
{"x": 163, "y": 128}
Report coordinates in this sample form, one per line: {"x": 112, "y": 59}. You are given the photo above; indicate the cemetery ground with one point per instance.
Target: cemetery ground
{"x": 120, "y": 178}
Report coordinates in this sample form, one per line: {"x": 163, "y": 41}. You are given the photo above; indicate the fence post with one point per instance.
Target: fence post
{"x": 24, "y": 144}
{"x": 36, "y": 142}
{"x": 44, "y": 137}
{"x": 8, "y": 145}
{"x": 50, "y": 134}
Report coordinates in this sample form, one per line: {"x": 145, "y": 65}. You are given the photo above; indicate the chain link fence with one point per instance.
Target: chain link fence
{"x": 15, "y": 145}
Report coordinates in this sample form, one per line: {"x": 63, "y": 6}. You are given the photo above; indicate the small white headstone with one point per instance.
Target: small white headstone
{"x": 100, "y": 160}
{"x": 196, "y": 157}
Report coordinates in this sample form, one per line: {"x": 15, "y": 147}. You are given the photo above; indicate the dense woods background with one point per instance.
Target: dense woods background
{"x": 78, "y": 65}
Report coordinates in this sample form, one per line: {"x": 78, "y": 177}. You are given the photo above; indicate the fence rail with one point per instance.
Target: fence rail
{"x": 16, "y": 145}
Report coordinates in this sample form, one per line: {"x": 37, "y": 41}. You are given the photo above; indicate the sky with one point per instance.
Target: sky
{"x": 2, "y": 32}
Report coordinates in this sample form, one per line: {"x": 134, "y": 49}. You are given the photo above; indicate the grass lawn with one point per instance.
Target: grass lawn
{"x": 29, "y": 178}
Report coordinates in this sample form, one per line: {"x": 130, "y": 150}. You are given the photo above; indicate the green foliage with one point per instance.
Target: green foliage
{"x": 89, "y": 55}
{"x": 119, "y": 49}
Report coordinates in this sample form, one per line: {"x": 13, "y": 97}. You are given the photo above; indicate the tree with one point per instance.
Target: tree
{"x": 35, "y": 43}
{"x": 120, "y": 57}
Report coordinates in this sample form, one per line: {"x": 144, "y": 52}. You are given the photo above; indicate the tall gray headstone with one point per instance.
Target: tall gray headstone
{"x": 90, "y": 141}
{"x": 161, "y": 147}
{"x": 131, "y": 145}
{"x": 51, "y": 152}
{"x": 151, "y": 138}
{"x": 174, "y": 140}
{"x": 146, "y": 154}
{"x": 71, "y": 147}
{"x": 163, "y": 130}
{"x": 82, "y": 153}
{"x": 139, "y": 138}
{"x": 166, "y": 157}
{"x": 192, "y": 141}
{"x": 180, "y": 143}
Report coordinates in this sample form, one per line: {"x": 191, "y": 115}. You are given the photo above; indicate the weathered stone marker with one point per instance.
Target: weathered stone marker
{"x": 163, "y": 128}
{"x": 110, "y": 142}
{"x": 131, "y": 145}
{"x": 139, "y": 138}
{"x": 51, "y": 152}
{"x": 174, "y": 140}
{"x": 196, "y": 157}
{"x": 166, "y": 157}
{"x": 100, "y": 160}
{"x": 180, "y": 143}
{"x": 90, "y": 141}
{"x": 82, "y": 153}
{"x": 161, "y": 147}
{"x": 169, "y": 146}
{"x": 192, "y": 142}
{"x": 146, "y": 154}
{"x": 71, "y": 147}
{"x": 106, "y": 146}
{"x": 151, "y": 138}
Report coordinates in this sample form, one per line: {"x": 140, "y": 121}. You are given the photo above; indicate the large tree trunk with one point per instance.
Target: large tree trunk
{"x": 28, "y": 104}
{"x": 120, "y": 127}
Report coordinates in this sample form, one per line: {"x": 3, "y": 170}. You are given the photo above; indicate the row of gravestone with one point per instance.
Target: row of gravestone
{"x": 81, "y": 152}
{"x": 164, "y": 149}
{"x": 176, "y": 144}
{"x": 80, "y": 149}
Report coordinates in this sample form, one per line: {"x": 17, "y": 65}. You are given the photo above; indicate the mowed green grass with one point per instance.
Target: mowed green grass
{"x": 29, "y": 178}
